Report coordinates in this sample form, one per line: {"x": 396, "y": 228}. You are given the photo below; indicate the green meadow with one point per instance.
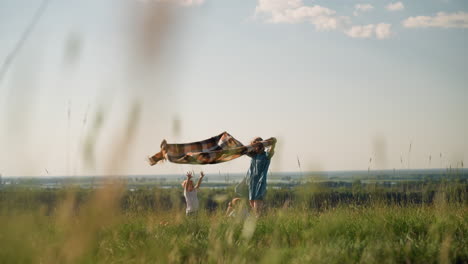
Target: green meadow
{"x": 408, "y": 223}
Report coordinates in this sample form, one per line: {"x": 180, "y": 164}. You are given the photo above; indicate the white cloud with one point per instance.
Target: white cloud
{"x": 360, "y": 8}
{"x": 380, "y": 31}
{"x": 441, "y": 20}
{"x": 322, "y": 18}
{"x": 383, "y": 31}
{"x": 294, "y": 11}
{"x": 361, "y": 31}
{"x": 177, "y": 2}
{"x": 191, "y": 2}
{"x": 395, "y": 6}
{"x": 277, "y": 5}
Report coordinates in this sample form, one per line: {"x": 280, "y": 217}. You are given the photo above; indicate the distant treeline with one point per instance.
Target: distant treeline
{"x": 281, "y": 179}
{"x": 313, "y": 196}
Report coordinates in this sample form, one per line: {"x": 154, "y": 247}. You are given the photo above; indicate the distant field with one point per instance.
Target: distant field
{"x": 226, "y": 180}
{"x": 411, "y": 222}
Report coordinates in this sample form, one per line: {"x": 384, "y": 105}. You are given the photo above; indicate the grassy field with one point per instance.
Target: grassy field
{"x": 415, "y": 223}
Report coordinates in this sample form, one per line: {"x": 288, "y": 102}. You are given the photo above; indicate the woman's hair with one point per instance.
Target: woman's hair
{"x": 259, "y": 148}
{"x": 257, "y": 139}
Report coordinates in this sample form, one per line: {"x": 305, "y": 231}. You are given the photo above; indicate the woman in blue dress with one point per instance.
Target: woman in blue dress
{"x": 256, "y": 177}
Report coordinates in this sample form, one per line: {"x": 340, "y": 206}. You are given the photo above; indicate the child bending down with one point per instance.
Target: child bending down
{"x": 237, "y": 208}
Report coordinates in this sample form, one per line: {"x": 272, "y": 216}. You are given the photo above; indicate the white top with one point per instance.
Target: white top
{"x": 191, "y": 199}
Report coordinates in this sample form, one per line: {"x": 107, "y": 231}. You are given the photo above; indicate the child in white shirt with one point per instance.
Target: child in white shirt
{"x": 190, "y": 193}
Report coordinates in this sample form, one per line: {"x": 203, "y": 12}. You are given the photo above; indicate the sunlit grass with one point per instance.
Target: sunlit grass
{"x": 113, "y": 226}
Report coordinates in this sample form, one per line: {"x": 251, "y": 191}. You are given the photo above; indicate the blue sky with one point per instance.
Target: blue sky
{"x": 337, "y": 82}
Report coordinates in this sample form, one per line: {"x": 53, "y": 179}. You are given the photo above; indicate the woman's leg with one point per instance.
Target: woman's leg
{"x": 258, "y": 205}
{"x": 252, "y": 204}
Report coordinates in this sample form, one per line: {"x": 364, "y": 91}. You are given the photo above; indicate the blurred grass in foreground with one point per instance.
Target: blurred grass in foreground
{"x": 303, "y": 225}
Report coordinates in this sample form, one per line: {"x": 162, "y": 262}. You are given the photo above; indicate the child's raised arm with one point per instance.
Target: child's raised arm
{"x": 200, "y": 180}
{"x": 189, "y": 176}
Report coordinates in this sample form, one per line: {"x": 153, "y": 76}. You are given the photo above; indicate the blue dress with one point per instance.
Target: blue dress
{"x": 256, "y": 177}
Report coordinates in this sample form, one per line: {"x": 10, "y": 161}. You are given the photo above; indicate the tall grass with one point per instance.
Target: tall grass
{"x": 307, "y": 224}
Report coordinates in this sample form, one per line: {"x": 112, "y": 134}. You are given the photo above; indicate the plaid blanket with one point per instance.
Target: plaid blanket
{"x": 217, "y": 149}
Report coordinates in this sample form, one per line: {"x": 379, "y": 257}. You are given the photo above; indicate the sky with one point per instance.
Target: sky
{"x": 342, "y": 85}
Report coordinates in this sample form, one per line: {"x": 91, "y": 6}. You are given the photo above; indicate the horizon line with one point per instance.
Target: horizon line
{"x": 237, "y": 173}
